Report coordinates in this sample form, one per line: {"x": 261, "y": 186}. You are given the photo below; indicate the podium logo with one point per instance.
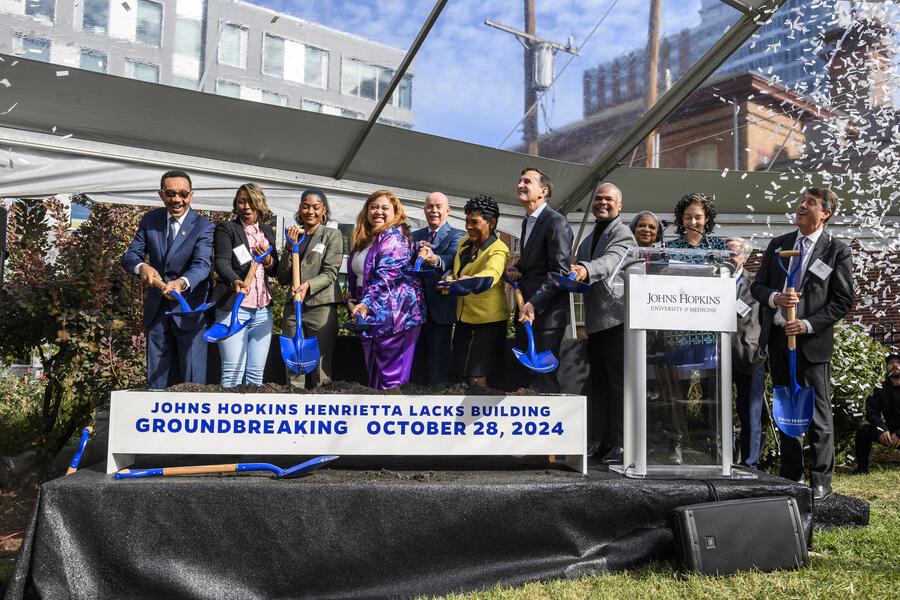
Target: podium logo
{"x": 682, "y": 298}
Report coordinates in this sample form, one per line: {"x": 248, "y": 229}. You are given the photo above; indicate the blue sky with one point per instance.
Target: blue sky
{"x": 468, "y": 76}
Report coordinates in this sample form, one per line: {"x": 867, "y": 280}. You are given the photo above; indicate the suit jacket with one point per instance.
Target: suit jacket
{"x": 548, "y": 250}
{"x": 319, "y": 266}
{"x": 490, "y": 305}
{"x": 747, "y": 354}
{"x": 604, "y": 307}
{"x": 823, "y": 302}
{"x": 441, "y": 308}
{"x": 190, "y": 256}
{"x": 230, "y": 235}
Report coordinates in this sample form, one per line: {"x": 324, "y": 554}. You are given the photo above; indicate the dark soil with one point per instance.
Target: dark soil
{"x": 352, "y": 388}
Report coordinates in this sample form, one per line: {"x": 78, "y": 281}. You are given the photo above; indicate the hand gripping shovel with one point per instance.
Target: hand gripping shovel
{"x": 464, "y": 287}
{"x": 543, "y": 362}
{"x": 184, "y": 316}
{"x": 568, "y": 283}
{"x": 417, "y": 271}
{"x": 360, "y": 324}
{"x": 792, "y": 405}
{"x": 85, "y": 434}
{"x": 290, "y": 473}
{"x": 220, "y": 331}
{"x": 301, "y": 355}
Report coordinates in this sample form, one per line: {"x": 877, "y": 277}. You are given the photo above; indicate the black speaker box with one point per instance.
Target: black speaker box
{"x": 717, "y": 538}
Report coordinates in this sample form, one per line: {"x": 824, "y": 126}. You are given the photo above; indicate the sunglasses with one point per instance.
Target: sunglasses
{"x": 172, "y": 193}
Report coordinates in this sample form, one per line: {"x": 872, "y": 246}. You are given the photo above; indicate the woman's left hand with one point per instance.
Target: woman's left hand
{"x": 428, "y": 255}
{"x": 259, "y": 249}
{"x": 301, "y": 290}
{"x": 359, "y": 309}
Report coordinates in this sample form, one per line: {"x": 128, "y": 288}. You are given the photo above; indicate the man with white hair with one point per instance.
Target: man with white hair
{"x": 748, "y": 358}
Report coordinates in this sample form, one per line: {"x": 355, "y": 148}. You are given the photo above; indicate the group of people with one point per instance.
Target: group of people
{"x": 463, "y": 337}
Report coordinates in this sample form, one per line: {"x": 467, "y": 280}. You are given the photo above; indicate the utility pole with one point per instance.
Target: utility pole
{"x": 539, "y": 57}
{"x": 651, "y": 63}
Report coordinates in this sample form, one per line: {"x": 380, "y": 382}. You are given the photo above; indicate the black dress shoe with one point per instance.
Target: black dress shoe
{"x": 614, "y": 456}
{"x": 820, "y": 492}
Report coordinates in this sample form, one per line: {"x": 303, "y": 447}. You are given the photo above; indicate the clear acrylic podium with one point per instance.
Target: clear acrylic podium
{"x": 680, "y": 311}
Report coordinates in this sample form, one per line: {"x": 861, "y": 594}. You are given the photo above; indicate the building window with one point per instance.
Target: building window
{"x": 233, "y": 46}
{"x": 404, "y": 95}
{"x": 43, "y": 10}
{"x": 311, "y": 106}
{"x": 316, "y": 67}
{"x": 702, "y": 157}
{"x": 36, "y": 49}
{"x": 96, "y": 16}
{"x": 92, "y": 61}
{"x": 149, "y": 23}
{"x": 273, "y": 56}
{"x": 227, "y": 88}
{"x": 142, "y": 71}
{"x": 273, "y": 98}
{"x": 371, "y": 82}
{"x": 188, "y": 83}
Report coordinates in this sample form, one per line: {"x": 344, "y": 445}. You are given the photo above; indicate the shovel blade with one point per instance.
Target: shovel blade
{"x": 473, "y": 285}
{"x": 542, "y": 363}
{"x": 792, "y": 410}
{"x": 562, "y": 282}
{"x": 306, "y": 467}
{"x": 420, "y": 273}
{"x": 301, "y": 356}
{"x": 220, "y": 331}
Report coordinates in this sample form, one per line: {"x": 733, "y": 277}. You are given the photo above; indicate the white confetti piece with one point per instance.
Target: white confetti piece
{"x": 62, "y": 73}
{"x": 5, "y": 82}
{"x": 125, "y": 6}
{"x": 53, "y": 129}
{"x": 9, "y": 110}
{"x": 65, "y": 137}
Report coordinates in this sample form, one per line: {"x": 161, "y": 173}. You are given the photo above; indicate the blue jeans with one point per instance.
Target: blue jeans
{"x": 244, "y": 353}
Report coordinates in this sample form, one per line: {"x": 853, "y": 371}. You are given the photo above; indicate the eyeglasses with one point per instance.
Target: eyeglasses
{"x": 183, "y": 194}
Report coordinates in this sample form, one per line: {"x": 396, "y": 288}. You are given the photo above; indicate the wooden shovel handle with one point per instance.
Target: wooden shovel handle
{"x": 295, "y": 267}
{"x": 249, "y": 278}
{"x": 159, "y": 283}
{"x": 791, "y": 315}
{"x": 200, "y": 469}
{"x": 789, "y": 253}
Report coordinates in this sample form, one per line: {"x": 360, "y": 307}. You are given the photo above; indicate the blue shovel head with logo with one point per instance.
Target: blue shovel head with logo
{"x": 792, "y": 405}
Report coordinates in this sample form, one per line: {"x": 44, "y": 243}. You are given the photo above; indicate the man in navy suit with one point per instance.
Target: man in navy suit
{"x": 546, "y": 248}
{"x": 824, "y": 294}
{"x": 174, "y": 245}
{"x": 438, "y": 243}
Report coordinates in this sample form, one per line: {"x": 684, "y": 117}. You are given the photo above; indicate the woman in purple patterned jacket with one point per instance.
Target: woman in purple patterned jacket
{"x": 379, "y": 249}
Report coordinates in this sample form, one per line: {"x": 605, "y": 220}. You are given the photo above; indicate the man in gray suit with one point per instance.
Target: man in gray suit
{"x": 597, "y": 257}
{"x": 748, "y": 358}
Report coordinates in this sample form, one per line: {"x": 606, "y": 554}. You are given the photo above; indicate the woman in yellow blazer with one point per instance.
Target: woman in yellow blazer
{"x": 480, "y": 334}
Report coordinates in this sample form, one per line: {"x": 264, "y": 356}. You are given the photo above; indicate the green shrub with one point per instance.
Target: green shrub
{"x": 20, "y": 397}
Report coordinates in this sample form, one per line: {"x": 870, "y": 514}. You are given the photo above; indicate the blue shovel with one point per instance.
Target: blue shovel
{"x": 568, "y": 283}
{"x": 792, "y": 405}
{"x": 464, "y": 287}
{"x": 417, "y": 271}
{"x": 543, "y": 362}
{"x": 184, "y": 316}
{"x": 220, "y": 331}
{"x": 301, "y": 355}
{"x": 360, "y": 324}
{"x": 85, "y": 434}
{"x": 295, "y": 471}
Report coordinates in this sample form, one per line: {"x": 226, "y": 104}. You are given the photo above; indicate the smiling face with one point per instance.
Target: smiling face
{"x": 436, "y": 209}
{"x": 694, "y": 217}
{"x": 176, "y": 194}
{"x": 312, "y": 210}
{"x": 380, "y": 211}
{"x": 737, "y": 257}
{"x": 244, "y": 208}
{"x": 646, "y": 231}
{"x": 529, "y": 191}
{"x": 478, "y": 228}
{"x": 606, "y": 204}
{"x": 810, "y": 214}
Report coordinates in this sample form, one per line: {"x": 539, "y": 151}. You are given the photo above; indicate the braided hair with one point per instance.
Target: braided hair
{"x": 485, "y": 205}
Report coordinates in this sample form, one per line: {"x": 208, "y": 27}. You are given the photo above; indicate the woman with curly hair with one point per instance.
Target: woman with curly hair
{"x": 480, "y": 334}
{"x": 379, "y": 249}
{"x": 695, "y": 219}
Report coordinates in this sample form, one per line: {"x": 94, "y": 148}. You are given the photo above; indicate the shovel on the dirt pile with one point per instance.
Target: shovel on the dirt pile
{"x": 543, "y": 362}
{"x": 300, "y": 354}
{"x": 792, "y": 405}
{"x": 289, "y": 473}
{"x": 220, "y": 331}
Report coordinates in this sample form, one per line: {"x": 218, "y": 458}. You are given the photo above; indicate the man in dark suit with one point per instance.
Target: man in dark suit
{"x": 438, "y": 244}
{"x": 598, "y": 256}
{"x": 174, "y": 245}
{"x": 546, "y": 248}
{"x": 824, "y": 284}
{"x": 748, "y": 358}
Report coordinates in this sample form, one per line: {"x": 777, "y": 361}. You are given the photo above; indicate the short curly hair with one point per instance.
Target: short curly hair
{"x": 695, "y": 198}
{"x": 485, "y": 205}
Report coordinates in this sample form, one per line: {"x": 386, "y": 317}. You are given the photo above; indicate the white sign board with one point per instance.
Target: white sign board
{"x": 316, "y": 424}
{"x": 681, "y": 303}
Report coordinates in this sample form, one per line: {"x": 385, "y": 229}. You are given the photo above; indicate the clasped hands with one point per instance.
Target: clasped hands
{"x": 149, "y": 274}
{"x": 787, "y": 300}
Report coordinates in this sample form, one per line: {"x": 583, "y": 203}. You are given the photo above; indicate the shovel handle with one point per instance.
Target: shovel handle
{"x": 789, "y": 253}
{"x": 200, "y": 469}
{"x": 295, "y": 267}
{"x": 250, "y": 274}
{"x": 791, "y": 315}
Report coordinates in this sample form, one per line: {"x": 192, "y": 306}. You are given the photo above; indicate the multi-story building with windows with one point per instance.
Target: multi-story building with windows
{"x": 229, "y": 48}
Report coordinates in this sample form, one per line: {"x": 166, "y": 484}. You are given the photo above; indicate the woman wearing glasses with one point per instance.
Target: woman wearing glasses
{"x": 380, "y": 247}
{"x": 236, "y": 243}
{"x": 320, "y": 254}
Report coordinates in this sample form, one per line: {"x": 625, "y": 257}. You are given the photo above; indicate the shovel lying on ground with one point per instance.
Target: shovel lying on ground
{"x": 85, "y": 434}
{"x": 290, "y": 473}
{"x": 220, "y": 331}
{"x": 184, "y": 315}
{"x": 543, "y": 362}
{"x": 568, "y": 283}
{"x": 792, "y": 405}
{"x": 464, "y": 287}
{"x": 301, "y": 355}
{"x": 417, "y": 271}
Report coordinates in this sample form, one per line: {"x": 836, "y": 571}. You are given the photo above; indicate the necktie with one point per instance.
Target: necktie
{"x": 800, "y": 245}
{"x": 170, "y": 237}
{"x": 433, "y": 235}
{"x": 524, "y": 229}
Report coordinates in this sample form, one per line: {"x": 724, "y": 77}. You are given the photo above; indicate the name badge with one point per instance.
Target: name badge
{"x": 320, "y": 248}
{"x": 820, "y": 269}
{"x": 742, "y": 307}
{"x": 242, "y": 254}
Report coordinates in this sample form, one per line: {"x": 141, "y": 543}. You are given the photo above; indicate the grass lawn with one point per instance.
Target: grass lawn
{"x": 845, "y": 563}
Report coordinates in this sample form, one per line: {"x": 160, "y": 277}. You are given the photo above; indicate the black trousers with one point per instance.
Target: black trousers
{"x": 606, "y": 356}
{"x": 821, "y": 431}
{"x": 866, "y": 435}
{"x": 544, "y": 339}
